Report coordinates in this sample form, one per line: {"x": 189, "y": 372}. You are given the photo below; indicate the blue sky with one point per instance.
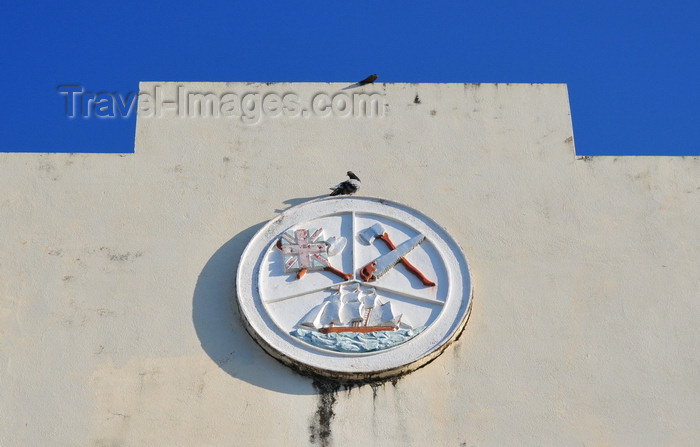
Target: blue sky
{"x": 631, "y": 67}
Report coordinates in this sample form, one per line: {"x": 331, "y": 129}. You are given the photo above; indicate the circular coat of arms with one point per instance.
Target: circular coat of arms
{"x": 353, "y": 288}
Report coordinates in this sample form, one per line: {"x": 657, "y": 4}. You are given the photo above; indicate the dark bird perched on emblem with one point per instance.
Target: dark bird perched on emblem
{"x": 349, "y": 186}
{"x": 368, "y": 80}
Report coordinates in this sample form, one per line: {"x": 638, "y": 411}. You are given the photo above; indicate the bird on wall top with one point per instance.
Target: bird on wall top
{"x": 368, "y": 80}
{"x": 349, "y": 186}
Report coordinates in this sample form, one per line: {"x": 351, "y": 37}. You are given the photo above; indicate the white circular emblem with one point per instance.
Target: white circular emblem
{"x": 353, "y": 288}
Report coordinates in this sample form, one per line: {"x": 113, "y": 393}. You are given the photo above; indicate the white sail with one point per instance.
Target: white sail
{"x": 331, "y": 314}
{"x": 350, "y": 313}
{"x": 312, "y": 320}
{"x": 369, "y": 297}
{"x": 382, "y": 315}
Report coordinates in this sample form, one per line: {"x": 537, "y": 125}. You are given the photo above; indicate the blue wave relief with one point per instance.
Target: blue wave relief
{"x": 356, "y": 341}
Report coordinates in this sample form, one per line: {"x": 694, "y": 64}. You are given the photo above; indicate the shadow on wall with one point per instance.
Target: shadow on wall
{"x": 220, "y": 329}
{"x": 294, "y": 202}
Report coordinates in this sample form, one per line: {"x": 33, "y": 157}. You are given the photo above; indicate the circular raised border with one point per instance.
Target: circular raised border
{"x": 369, "y": 366}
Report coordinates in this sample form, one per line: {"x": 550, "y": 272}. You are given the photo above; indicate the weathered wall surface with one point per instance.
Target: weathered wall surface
{"x": 117, "y": 318}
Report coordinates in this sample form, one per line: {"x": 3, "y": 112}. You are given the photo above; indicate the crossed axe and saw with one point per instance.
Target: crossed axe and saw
{"x": 386, "y": 262}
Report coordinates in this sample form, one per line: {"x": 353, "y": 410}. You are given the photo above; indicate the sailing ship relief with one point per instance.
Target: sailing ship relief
{"x": 354, "y": 319}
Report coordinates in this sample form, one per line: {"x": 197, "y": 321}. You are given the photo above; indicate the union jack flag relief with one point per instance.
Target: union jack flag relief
{"x": 302, "y": 251}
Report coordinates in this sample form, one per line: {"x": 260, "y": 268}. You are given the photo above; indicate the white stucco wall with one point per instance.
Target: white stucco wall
{"x": 117, "y": 278}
